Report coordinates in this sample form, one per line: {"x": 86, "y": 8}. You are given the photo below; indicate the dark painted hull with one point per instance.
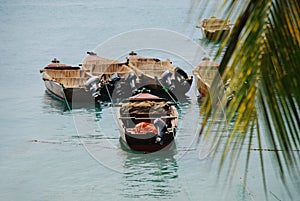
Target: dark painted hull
{"x": 133, "y": 118}
{"x": 69, "y": 95}
{"x": 181, "y": 89}
{"x": 161, "y": 92}
{"x": 109, "y": 92}
{"x": 216, "y": 35}
{"x": 147, "y": 142}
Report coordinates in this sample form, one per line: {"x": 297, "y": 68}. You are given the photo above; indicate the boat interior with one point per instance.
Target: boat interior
{"x": 141, "y": 67}
{"x": 132, "y": 113}
{"x": 215, "y": 24}
{"x": 150, "y": 66}
{"x": 68, "y": 78}
{"x": 207, "y": 73}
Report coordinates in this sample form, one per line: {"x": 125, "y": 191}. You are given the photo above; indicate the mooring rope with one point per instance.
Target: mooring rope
{"x": 65, "y": 98}
{"x": 257, "y": 149}
{"x": 167, "y": 91}
{"x": 111, "y": 100}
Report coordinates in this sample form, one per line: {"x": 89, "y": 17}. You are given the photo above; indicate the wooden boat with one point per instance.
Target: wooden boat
{"x": 123, "y": 79}
{"x": 205, "y": 73}
{"x": 113, "y": 77}
{"x": 147, "y": 122}
{"x": 215, "y": 29}
{"x": 101, "y": 79}
{"x": 158, "y": 75}
{"x": 67, "y": 83}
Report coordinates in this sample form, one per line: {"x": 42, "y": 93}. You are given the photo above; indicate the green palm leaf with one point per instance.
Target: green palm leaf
{"x": 262, "y": 57}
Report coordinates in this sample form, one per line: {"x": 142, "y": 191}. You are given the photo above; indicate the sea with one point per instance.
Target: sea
{"x": 49, "y": 152}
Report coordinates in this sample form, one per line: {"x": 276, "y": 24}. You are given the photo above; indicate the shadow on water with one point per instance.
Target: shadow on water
{"x": 75, "y": 104}
{"x": 150, "y": 176}
{"x": 53, "y": 104}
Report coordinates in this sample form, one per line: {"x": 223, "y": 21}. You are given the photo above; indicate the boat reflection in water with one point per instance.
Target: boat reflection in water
{"x": 53, "y": 105}
{"x": 150, "y": 176}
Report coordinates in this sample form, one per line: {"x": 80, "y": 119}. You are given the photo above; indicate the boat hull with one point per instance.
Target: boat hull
{"x": 216, "y": 35}
{"x": 160, "y": 91}
{"x": 202, "y": 87}
{"x": 154, "y": 87}
{"x": 147, "y": 122}
{"x": 70, "y": 95}
{"x": 161, "y": 77}
{"x": 215, "y": 29}
{"x": 147, "y": 142}
{"x": 205, "y": 74}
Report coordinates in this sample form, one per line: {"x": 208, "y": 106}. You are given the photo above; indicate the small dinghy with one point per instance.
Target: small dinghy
{"x": 215, "y": 29}
{"x": 66, "y": 82}
{"x": 147, "y": 122}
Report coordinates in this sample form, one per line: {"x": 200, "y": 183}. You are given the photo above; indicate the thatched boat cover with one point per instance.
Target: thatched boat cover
{"x": 142, "y": 108}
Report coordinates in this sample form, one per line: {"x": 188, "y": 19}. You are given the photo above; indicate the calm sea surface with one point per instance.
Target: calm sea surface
{"x": 50, "y": 153}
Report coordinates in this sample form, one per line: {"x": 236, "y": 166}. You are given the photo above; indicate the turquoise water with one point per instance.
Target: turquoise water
{"x": 50, "y": 153}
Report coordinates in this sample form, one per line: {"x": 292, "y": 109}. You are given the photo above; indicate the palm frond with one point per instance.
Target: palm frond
{"x": 262, "y": 59}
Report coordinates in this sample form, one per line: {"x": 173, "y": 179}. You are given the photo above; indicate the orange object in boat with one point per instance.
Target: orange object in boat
{"x": 144, "y": 127}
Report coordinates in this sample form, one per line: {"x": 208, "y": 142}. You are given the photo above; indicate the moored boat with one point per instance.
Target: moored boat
{"x": 205, "y": 74}
{"x": 160, "y": 76}
{"x": 215, "y": 29}
{"x": 147, "y": 122}
{"x": 126, "y": 78}
{"x": 66, "y": 82}
{"x": 101, "y": 79}
{"x": 114, "y": 78}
